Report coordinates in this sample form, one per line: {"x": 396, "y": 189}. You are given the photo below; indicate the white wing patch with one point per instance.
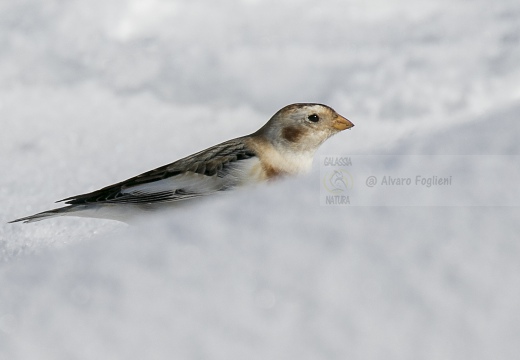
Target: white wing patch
{"x": 189, "y": 184}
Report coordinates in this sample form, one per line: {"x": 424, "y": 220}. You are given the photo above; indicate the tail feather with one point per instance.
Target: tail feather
{"x": 47, "y": 214}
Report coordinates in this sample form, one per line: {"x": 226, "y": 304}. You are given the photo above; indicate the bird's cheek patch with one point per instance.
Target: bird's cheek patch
{"x": 292, "y": 134}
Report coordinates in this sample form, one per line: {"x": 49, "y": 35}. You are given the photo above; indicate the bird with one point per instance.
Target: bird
{"x": 284, "y": 146}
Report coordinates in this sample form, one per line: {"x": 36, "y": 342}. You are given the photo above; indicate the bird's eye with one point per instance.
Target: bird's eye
{"x": 313, "y": 118}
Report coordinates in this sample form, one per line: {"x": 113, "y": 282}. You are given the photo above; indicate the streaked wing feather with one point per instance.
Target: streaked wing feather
{"x": 196, "y": 175}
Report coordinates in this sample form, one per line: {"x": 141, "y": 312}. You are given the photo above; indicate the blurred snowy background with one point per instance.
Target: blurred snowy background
{"x": 93, "y": 92}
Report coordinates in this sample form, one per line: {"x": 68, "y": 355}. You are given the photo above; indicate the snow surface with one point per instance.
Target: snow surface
{"x": 93, "y": 92}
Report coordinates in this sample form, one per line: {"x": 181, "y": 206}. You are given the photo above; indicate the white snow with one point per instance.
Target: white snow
{"x": 93, "y": 92}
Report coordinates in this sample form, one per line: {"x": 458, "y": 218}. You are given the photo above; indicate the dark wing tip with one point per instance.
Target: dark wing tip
{"x": 25, "y": 220}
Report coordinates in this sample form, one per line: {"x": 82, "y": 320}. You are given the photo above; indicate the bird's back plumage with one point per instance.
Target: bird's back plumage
{"x": 216, "y": 161}
{"x": 214, "y": 169}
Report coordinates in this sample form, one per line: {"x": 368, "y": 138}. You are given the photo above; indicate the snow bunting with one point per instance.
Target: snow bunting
{"x": 285, "y": 145}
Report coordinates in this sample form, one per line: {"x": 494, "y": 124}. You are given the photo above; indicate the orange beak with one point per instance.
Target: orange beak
{"x": 340, "y": 123}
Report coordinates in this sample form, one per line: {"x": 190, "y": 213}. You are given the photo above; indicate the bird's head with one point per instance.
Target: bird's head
{"x": 303, "y": 127}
